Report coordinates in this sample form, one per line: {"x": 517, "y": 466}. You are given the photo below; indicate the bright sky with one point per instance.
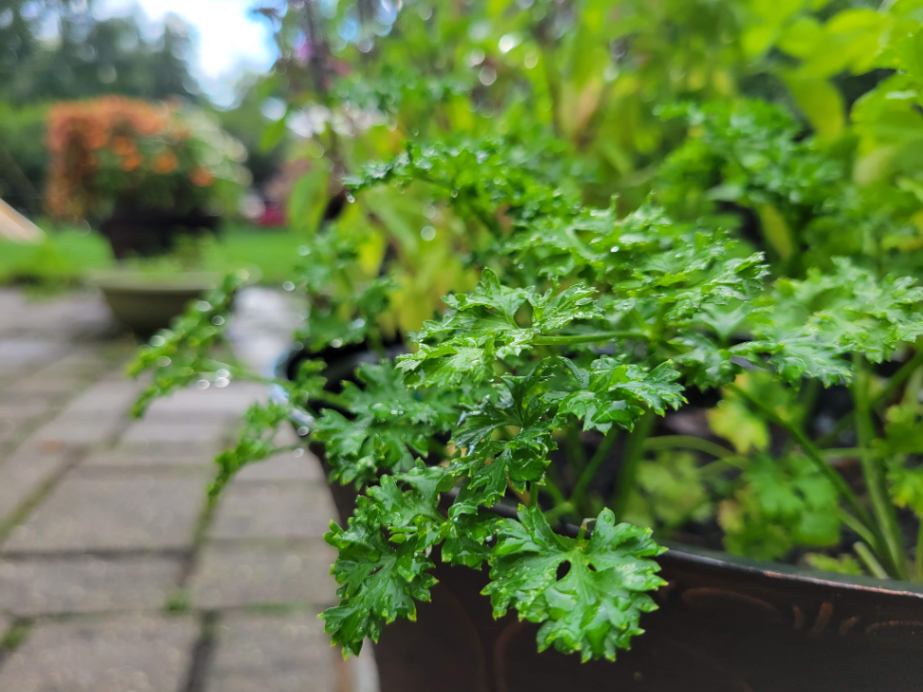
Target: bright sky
{"x": 229, "y": 40}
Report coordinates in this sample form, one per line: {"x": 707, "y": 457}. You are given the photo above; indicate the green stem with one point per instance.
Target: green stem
{"x": 869, "y": 560}
{"x": 634, "y": 452}
{"x": 690, "y": 442}
{"x": 589, "y": 472}
{"x": 552, "y": 489}
{"x": 575, "y": 449}
{"x": 331, "y": 399}
{"x": 884, "y": 512}
{"x": 918, "y": 556}
{"x": 860, "y": 529}
{"x": 558, "y": 511}
{"x": 812, "y": 452}
{"x": 589, "y": 338}
{"x": 894, "y": 383}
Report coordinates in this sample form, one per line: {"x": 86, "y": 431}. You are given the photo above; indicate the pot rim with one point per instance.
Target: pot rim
{"x": 130, "y": 280}
{"x": 682, "y": 554}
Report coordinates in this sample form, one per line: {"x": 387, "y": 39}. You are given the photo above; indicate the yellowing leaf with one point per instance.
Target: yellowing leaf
{"x": 821, "y": 103}
{"x": 776, "y": 230}
{"x": 733, "y": 421}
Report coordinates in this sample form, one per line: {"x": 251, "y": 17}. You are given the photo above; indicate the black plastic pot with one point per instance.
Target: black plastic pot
{"x": 151, "y": 233}
{"x": 724, "y": 624}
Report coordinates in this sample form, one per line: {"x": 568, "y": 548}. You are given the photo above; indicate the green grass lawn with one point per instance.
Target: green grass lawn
{"x": 68, "y": 255}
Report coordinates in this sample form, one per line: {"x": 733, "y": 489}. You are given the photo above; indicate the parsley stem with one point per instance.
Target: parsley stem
{"x": 552, "y": 489}
{"x": 894, "y": 383}
{"x": 588, "y": 338}
{"x": 588, "y": 473}
{"x": 631, "y": 460}
{"x": 331, "y": 399}
{"x": 811, "y": 451}
{"x": 869, "y": 560}
{"x": 918, "y": 556}
{"x": 857, "y": 527}
{"x": 882, "y": 508}
{"x": 690, "y": 442}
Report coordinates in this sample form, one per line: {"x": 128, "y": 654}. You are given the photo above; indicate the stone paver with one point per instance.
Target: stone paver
{"x": 112, "y": 397}
{"x": 235, "y": 576}
{"x": 186, "y": 433}
{"x": 89, "y": 513}
{"x": 272, "y": 510}
{"x": 145, "y": 457}
{"x": 127, "y": 654}
{"x": 100, "y": 521}
{"x": 284, "y": 467}
{"x": 26, "y": 471}
{"x": 53, "y": 585}
{"x": 80, "y": 428}
{"x": 215, "y": 402}
{"x": 261, "y": 653}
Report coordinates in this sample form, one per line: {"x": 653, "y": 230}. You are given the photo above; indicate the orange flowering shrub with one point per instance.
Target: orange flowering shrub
{"x": 117, "y": 155}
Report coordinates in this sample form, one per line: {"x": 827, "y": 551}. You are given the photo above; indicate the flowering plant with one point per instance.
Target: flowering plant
{"x": 116, "y": 155}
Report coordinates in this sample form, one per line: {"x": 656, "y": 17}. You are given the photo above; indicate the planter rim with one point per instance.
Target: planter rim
{"x": 684, "y": 554}
{"x": 132, "y": 280}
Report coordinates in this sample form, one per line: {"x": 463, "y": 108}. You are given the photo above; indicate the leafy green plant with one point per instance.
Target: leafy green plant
{"x": 593, "y": 361}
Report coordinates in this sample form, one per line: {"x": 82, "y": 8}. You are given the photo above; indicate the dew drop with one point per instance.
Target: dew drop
{"x": 218, "y": 320}
{"x": 507, "y": 43}
{"x": 427, "y": 233}
{"x": 203, "y": 306}
{"x": 203, "y": 384}
{"x": 476, "y": 57}
{"x": 288, "y": 286}
{"x": 337, "y": 343}
{"x": 303, "y": 430}
{"x": 614, "y": 249}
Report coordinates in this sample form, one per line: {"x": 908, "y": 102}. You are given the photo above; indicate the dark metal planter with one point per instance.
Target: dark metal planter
{"x": 724, "y": 624}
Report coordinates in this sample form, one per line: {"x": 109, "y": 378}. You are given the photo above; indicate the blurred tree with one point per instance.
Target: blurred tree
{"x": 89, "y": 57}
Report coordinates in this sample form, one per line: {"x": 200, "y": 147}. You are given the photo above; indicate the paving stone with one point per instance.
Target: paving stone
{"x": 145, "y": 457}
{"x": 19, "y": 355}
{"x": 17, "y": 419}
{"x": 82, "y": 584}
{"x": 234, "y": 576}
{"x": 227, "y": 402}
{"x": 105, "y": 397}
{"x": 26, "y": 470}
{"x": 129, "y": 513}
{"x": 191, "y": 432}
{"x": 284, "y": 467}
{"x": 257, "y": 653}
{"x": 125, "y": 654}
{"x": 81, "y": 429}
{"x": 273, "y": 510}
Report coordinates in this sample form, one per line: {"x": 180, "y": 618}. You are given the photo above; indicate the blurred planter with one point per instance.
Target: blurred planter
{"x": 724, "y": 624}
{"x": 147, "y": 303}
{"x": 147, "y": 234}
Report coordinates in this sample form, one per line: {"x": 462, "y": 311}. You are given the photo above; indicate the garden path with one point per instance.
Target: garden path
{"x": 114, "y": 574}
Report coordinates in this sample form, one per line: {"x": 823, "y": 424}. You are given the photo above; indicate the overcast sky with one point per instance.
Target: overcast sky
{"x": 228, "y": 40}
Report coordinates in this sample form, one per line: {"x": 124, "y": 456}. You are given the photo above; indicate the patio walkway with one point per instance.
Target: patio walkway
{"x": 114, "y": 576}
